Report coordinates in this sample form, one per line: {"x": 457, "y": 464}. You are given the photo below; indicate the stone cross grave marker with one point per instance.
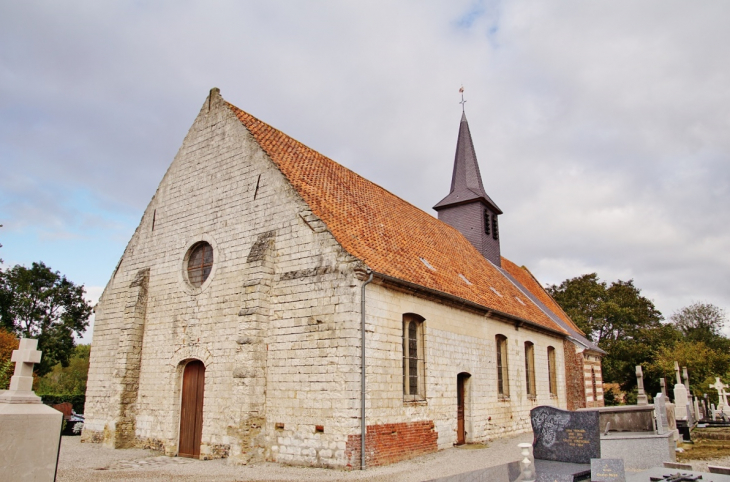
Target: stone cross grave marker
{"x": 722, "y": 396}
{"x": 676, "y": 373}
{"x": 663, "y": 384}
{"x": 21, "y": 383}
{"x": 660, "y": 409}
{"x": 690, "y": 403}
{"x": 565, "y": 436}
{"x": 641, "y": 399}
{"x": 680, "y": 396}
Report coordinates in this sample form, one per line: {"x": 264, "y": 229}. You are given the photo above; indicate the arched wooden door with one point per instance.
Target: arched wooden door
{"x": 191, "y": 410}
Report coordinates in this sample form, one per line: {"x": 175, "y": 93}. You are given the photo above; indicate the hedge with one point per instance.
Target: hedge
{"x": 77, "y": 401}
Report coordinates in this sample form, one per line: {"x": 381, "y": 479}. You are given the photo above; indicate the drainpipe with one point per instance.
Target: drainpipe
{"x": 362, "y": 371}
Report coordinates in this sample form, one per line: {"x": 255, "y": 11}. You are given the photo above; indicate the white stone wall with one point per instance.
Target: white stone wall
{"x": 302, "y": 367}
{"x": 456, "y": 341}
{"x": 279, "y": 335}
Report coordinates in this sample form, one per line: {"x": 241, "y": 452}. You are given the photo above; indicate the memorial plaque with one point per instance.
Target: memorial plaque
{"x": 565, "y": 436}
{"x": 607, "y": 470}
{"x": 554, "y": 478}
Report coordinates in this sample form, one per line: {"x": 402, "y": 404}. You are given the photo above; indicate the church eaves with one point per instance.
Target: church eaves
{"x": 391, "y": 236}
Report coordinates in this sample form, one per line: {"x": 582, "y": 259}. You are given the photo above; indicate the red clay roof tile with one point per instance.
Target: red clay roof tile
{"x": 387, "y": 233}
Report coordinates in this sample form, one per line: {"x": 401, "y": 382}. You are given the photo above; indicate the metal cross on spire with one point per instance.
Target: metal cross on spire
{"x": 461, "y": 91}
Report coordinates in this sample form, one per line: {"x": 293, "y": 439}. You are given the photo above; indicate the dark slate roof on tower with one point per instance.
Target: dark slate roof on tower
{"x": 466, "y": 180}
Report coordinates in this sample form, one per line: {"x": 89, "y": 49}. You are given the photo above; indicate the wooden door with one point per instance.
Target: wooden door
{"x": 191, "y": 410}
{"x": 460, "y": 431}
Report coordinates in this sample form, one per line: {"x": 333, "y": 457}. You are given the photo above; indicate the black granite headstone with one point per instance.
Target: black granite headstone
{"x": 565, "y": 436}
{"x": 607, "y": 470}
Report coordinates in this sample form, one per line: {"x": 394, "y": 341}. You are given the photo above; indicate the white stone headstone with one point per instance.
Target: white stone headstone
{"x": 30, "y": 432}
{"x": 641, "y": 398}
{"x": 713, "y": 411}
{"x": 660, "y": 412}
{"x": 680, "y": 402}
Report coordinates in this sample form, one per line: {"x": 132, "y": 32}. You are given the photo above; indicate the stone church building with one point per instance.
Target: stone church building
{"x": 233, "y": 324}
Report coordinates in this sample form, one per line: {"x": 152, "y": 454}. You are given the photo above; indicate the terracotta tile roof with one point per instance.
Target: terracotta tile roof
{"x": 388, "y": 234}
{"x": 526, "y": 279}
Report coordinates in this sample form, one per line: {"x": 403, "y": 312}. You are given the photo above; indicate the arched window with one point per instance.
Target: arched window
{"x": 552, "y": 372}
{"x": 502, "y": 368}
{"x": 530, "y": 369}
{"x": 413, "y": 358}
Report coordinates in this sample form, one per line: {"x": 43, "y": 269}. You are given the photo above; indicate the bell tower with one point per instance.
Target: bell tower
{"x": 468, "y": 208}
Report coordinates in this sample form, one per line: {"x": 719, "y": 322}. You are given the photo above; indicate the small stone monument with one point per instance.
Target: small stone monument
{"x": 713, "y": 412}
{"x": 721, "y": 395}
{"x": 691, "y": 417}
{"x": 565, "y": 436}
{"x": 30, "y": 432}
{"x": 680, "y": 396}
{"x": 641, "y": 398}
{"x": 663, "y": 383}
{"x": 660, "y": 407}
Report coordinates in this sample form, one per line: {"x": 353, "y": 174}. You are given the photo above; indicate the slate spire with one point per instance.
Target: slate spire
{"x": 466, "y": 180}
{"x": 468, "y": 207}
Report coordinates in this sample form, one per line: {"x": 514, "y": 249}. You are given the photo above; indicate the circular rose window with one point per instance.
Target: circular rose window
{"x": 200, "y": 262}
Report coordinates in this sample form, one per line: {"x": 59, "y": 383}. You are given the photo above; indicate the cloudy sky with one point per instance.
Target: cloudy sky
{"x": 602, "y": 128}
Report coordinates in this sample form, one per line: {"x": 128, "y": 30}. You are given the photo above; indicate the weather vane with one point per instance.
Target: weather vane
{"x": 461, "y": 91}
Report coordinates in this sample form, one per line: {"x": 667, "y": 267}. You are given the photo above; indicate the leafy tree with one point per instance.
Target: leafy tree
{"x": 40, "y": 303}
{"x": 703, "y": 363}
{"x": 702, "y": 322}
{"x": 8, "y": 343}
{"x": 618, "y": 319}
{"x": 70, "y": 380}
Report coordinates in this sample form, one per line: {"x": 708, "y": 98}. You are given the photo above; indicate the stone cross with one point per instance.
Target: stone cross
{"x": 721, "y": 395}
{"x": 686, "y": 377}
{"x": 641, "y": 398}
{"x": 663, "y": 384}
{"x": 676, "y": 372}
{"x": 21, "y": 384}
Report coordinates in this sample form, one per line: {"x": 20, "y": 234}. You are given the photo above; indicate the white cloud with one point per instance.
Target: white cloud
{"x": 601, "y": 129}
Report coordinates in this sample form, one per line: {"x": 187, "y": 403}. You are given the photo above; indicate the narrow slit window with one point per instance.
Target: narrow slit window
{"x": 502, "y": 368}
{"x": 495, "y": 227}
{"x": 413, "y": 358}
{"x": 530, "y": 369}
{"x": 552, "y": 372}
{"x": 487, "y": 222}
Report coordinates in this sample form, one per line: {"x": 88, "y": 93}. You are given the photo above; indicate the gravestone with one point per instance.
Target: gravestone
{"x": 663, "y": 384}
{"x": 641, "y": 398}
{"x": 713, "y": 411}
{"x": 680, "y": 396}
{"x": 660, "y": 407}
{"x": 30, "y": 432}
{"x": 565, "y": 436}
{"x": 607, "y": 470}
{"x": 721, "y": 395}
{"x": 690, "y": 402}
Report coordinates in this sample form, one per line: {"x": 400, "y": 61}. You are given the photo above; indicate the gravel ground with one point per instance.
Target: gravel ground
{"x": 92, "y": 462}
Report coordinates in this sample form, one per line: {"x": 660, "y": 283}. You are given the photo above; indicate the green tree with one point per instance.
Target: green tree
{"x": 702, "y": 322}
{"x": 40, "y": 303}
{"x": 619, "y": 320}
{"x": 70, "y": 380}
